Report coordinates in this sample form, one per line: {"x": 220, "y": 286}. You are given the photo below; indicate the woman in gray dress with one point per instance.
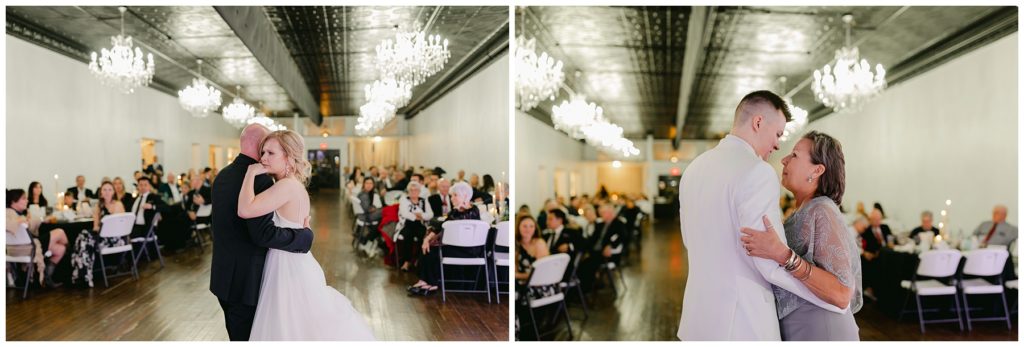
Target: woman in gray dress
{"x": 821, "y": 252}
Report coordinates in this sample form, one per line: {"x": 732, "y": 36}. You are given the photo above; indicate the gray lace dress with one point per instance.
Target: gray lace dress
{"x": 816, "y": 233}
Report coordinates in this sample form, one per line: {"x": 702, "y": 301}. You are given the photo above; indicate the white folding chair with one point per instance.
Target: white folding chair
{"x": 145, "y": 241}
{"x": 500, "y": 258}
{"x": 548, "y": 271}
{"x": 204, "y": 211}
{"x": 22, "y": 238}
{"x": 988, "y": 262}
{"x": 118, "y": 225}
{"x": 465, "y": 233}
{"x": 934, "y": 264}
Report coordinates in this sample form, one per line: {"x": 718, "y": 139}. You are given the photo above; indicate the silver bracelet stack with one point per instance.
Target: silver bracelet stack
{"x": 793, "y": 262}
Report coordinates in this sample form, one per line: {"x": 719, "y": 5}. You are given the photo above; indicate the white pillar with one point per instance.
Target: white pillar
{"x": 650, "y": 176}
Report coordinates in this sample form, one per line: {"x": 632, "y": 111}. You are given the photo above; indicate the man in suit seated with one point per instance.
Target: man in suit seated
{"x": 79, "y": 191}
{"x": 607, "y": 237}
{"x": 441, "y": 203}
{"x": 997, "y": 231}
{"x": 145, "y": 207}
{"x": 875, "y": 238}
{"x": 926, "y": 226}
{"x": 559, "y": 237}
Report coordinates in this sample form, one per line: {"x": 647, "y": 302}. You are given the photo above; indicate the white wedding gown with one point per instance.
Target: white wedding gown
{"x": 297, "y": 304}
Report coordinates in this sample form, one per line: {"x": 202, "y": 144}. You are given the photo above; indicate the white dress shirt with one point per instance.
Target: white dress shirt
{"x": 728, "y": 294}
{"x": 137, "y": 210}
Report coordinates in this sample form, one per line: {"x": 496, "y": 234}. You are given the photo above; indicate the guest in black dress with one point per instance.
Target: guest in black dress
{"x": 35, "y": 195}
{"x": 429, "y": 267}
{"x": 86, "y": 244}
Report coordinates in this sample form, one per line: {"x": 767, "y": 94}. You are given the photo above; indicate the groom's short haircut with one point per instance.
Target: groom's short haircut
{"x": 757, "y": 101}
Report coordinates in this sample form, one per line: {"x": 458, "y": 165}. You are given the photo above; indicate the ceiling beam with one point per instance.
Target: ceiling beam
{"x": 697, "y": 35}
{"x": 256, "y": 31}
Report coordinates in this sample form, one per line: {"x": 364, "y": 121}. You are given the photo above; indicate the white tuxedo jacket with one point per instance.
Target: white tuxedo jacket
{"x": 728, "y": 294}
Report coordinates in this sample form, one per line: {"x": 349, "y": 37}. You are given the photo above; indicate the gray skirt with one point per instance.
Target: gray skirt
{"x": 812, "y": 323}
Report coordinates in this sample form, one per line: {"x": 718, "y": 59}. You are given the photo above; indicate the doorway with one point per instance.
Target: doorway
{"x": 326, "y": 168}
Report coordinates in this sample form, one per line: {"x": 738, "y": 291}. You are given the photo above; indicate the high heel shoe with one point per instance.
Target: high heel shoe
{"x": 427, "y": 291}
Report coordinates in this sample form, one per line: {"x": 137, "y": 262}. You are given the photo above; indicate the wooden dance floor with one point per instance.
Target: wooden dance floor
{"x": 175, "y": 303}
{"x": 649, "y": 308}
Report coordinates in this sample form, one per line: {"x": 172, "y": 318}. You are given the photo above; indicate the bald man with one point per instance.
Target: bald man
{"x": 997, "y": 231}
{"x": 240, "y": 245}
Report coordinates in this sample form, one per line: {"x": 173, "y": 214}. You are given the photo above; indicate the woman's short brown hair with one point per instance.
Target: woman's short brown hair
{"x": 827, "y": 151}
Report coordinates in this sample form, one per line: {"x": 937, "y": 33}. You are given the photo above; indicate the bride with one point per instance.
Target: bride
{"x": 295, "y": 302}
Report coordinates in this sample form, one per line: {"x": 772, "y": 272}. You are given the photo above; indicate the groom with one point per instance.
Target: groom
{"x": 728, "y": 294}
{"x": 240, "y": 245}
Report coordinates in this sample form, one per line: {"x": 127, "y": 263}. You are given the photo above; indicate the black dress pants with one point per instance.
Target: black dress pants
{"x": 238, "y": 319}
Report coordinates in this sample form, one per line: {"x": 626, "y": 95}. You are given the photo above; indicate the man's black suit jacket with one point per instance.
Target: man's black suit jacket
{"x": 240, "y": 245}
{"x": 88, "y": 193}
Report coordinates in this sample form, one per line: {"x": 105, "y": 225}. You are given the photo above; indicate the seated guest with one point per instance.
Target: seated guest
{"x": 484, "y": 193}
{"x": 997, "y": 231}
{"x": 859, "y": 226}
{"x": 169, "y": 190}
{"x": 441, "y": 202}
{"x": 401, "y": 182}
{"x": 542, "y": 217}
{"x": 136, "y": 176}
{"x": 926, "y": 225}
{"x": 875, "y": 238}
{"x": 528, "y": 248}
{"x": 474, "y": 181}
{"x": 69, "y": 201}
{"x": 608, "y": 236}
{"x": 430, "y": 262}
{"x": 590, "y": 217}
{"x": 575, "y": 206}
{"x": 424, "y": 191}
{"x": 35, "y": 195}
{"x": 145, "y": 208}
{"x": 559, "y": 237}
{"x": 383, "y": 180}
{"x": 120, "y": 194}
{"x": 207, "y": 177}
{"x": 414, "y": 213}
{"x": 17, "y": 216}
{"x": 85, "y": 250}
{"x": 369, "y": 200}
{"x": 79, "y": 191}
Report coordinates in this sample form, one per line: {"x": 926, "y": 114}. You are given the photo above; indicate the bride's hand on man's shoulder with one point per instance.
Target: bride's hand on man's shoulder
{"x": 256, "y": 169}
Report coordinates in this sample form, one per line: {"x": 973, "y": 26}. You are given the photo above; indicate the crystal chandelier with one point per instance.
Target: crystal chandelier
{"x": 411, "y": 57}
{"x": 389, "y": 91}
{"x": 537, "y": 78}
{"x": 799, "y": 115}
{"x": 850, "y": 81}
{"x": 238, "y": 112}
{"x": 267, "y": 122}
{"x": 373, "y": 116}
{"x": 585, "y": 121}
{"x": 122, "y": 67}
{"x": 199, "y": 98}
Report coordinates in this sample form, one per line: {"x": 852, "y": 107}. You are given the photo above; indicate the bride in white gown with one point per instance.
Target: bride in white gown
{"x": 295, "y": 301}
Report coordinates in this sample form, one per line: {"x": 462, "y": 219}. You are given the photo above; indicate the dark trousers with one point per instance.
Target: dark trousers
{"x": 238, "y": 319}
{"x": 429, "y": 269}
{"x": 411, "y": 242}
{"x": 589, "y": 267}
{"x": 870, "y": 272}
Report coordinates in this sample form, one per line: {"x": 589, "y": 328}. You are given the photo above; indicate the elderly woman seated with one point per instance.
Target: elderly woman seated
{"x": 414, "y": 213}
{"x": 430, "y": 263}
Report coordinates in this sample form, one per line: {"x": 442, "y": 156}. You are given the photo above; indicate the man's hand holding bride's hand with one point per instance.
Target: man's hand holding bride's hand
{"x": 256, "y": 169}
{"x": 761, "y": 244}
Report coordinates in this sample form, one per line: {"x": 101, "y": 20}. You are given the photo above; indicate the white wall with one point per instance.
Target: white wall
{"x": 61, "y": 120}
{"x": 467, "y": 128}
{"x": 540, "y": 151}
{"x": 950, "y": 133}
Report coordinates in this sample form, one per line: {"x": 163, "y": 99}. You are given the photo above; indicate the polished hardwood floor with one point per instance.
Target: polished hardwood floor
{"x": 175, "y": 303}
{"x": 649, "y": 308}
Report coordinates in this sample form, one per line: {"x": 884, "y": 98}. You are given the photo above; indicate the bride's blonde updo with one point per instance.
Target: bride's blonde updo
{"x": 295, "y": 150}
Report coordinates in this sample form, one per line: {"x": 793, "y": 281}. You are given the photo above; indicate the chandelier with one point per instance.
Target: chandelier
{"x": 122, "y": 67}
{"x": 238, "y": 112}
{"x": 389, "y": 91}
{"x": 373, "y": 116}
{"x": 411, "y": 57}
{"x": 799, "y": 115}
{"x": 537, "y": 78}
{"x": 199, "y": 98}
{"x": 585, "y": 121}
{"x": 267, "y": 122}
{"x": 850, "y": 81}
